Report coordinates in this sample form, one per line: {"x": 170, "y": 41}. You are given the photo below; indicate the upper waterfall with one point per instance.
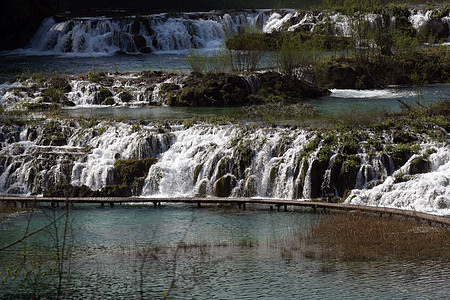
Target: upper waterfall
{"x": 182, "y": 31}
{"x": 159, "y": 32}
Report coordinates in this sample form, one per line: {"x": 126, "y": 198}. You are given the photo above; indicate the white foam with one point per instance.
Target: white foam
{"x": 419, "y": 18}
{"x": 381, "y": 94}
{"x": 429, "y": 192}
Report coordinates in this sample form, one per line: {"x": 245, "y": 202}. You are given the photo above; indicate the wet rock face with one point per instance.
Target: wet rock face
{"x": 419, "y": 165}
{"x": 224, "y": 186}
{"x": 233, "y": 90}
{"x": 209, "y": 90}
{"x": 317, "y": 172}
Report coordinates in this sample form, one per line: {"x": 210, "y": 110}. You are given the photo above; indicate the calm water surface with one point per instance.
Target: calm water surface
{"x": 12, "y": 63}
{"x": 340, "y": 101}
{"x": 230, "y": 254}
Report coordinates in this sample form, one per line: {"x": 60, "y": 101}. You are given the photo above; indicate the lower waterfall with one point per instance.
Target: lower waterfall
{"x": 224, "y": 160}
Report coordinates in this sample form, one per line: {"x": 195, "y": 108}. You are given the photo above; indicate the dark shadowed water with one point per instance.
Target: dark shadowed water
{"x": 12, "y": 63}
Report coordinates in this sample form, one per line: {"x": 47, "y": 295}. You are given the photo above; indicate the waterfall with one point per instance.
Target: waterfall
{"x": 215, "y": 160}
{"x": 159, "y": 32}
{"x": 428, "y": 192}
{"x": 182, "y": 31}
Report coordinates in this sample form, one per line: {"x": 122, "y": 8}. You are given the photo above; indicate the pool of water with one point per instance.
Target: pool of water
{"x": 340, "y": 101}
{"x": 388, "y": 99}
{"x": 226, "y": 254}
{"x": 13, "y": 63}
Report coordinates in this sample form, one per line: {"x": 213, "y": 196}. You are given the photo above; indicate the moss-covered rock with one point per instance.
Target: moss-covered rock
{"x": 224, "y": 186}
{"x": 209, "y": 90}
{"x": 67, "y": 190}
{"x": 400, "y": 154}
{"x": 113, "y": 191}
{"x": 101, "y": 95}
{"x": 419, "y": 165}
{"x": 125, "y": 96}
{"x": 203, "y": 188}
{"x": 197, "y": 170}
{"x": 243, "y": 156}
{"x": 228, "y": 89}
{"x": 348, "y": 174}
{"x": 127, "y": 170}
{"x": 62, "y": 190}
{"x": 274, "y": 84}
{"x": 109, "y": 101}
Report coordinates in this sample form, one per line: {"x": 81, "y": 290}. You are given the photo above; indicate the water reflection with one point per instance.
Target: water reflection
{"x": 226, "y": 254}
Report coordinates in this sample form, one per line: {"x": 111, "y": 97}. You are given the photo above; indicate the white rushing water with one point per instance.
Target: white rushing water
{"x": 160, "y": 32}
{"x": 182, "y": 31}
{"x": 372, "y": 94}
{"x": 208, "y": 160}
{"x": 429, "y": 192}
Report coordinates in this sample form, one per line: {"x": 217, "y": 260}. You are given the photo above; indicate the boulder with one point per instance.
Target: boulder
{"x": 224, "y": 186}
{"x": 125, "y": 96}
{"x": 139, "y": 41}
{"x": 317, "y": 172}
{"x": 419, "y": 165}
{"x": 101, "y": 95}
{"x": 437, "y": 28}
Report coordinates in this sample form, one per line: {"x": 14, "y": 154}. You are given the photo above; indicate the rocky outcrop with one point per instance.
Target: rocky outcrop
{"x": 224, "y": 186}
{"x": 434, "y": 30}
{"x": 228, "y": 89}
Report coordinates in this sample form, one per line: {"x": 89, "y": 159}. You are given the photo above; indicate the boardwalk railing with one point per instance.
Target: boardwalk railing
{"x": 240, "y": 202}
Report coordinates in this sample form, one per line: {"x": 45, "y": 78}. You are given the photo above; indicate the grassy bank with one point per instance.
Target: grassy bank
{"x": 361, "y": 237}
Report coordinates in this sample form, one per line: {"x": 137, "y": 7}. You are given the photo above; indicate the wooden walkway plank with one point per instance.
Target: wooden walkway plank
{"x": 241, "y": 202}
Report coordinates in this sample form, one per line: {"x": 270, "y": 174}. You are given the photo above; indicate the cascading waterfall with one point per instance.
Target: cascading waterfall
{"x": 172, "y": 32}
{"x": 161, "y": 32}
{"x": 428, "y": 192}
{"x": 212, "y": 160}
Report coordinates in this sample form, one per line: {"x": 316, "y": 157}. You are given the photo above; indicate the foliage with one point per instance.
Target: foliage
{"x": 378, "y": 238}
{"x": 295, "y": 61}
{"x": 249, "y": 45}
{"x": 205, "y": 62}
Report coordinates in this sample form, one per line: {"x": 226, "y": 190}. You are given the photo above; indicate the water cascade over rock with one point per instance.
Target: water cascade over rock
{"x": 152, "y": 88}
{"x": 226, "y": 160}
{"x": 182, "y": 31}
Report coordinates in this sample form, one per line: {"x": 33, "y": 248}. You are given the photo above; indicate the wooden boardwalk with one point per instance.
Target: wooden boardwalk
{"x": 240, "y": 202}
